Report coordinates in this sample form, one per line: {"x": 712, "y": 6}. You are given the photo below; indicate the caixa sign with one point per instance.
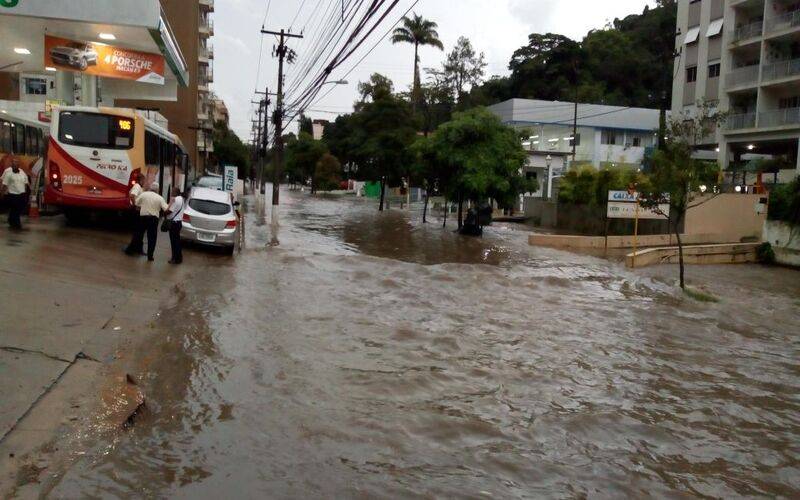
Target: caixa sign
{"x": 9, "y": 3}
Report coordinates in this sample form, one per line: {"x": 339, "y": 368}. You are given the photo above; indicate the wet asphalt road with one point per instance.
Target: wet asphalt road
{"x": 368, "y": 356}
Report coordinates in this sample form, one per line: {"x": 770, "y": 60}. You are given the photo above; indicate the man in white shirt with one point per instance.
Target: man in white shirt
{"x": 14, "y": 184}
{"x": 150, "y": 204}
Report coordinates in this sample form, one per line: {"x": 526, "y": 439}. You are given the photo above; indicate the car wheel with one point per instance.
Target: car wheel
{"x": 84, "y": 64}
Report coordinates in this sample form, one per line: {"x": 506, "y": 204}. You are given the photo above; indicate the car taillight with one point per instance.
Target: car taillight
{"x": 186, "y": 218}
{"x": 55, "y": 176}
{"x": 230, "y": 224}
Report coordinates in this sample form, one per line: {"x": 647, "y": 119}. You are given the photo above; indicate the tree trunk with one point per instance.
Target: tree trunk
{"x": 444, "y": 224}
{"x": 680, "y": 252}
{"x": 415, "y": 88}
{"x": 383, "y": 191}
{"x": 425, "y": 208}
{"x": 460, "y": 210}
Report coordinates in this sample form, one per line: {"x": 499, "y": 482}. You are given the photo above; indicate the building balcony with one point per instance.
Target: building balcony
{"x": 207, "y": 5}
{"x": 787, "y": 21}
{"x": 205, "y": 54}
{"x": 206, "y": 27}
{"x": 779, "y": 118}
{"x": 747, "y": 31}
{"x": 746, "y": 76}
{"x": 741, "y": 121}
{"x": 781, "y": 69}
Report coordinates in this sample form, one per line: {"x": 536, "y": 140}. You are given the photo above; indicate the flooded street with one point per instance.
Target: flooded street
{"x": 370, "y": 356}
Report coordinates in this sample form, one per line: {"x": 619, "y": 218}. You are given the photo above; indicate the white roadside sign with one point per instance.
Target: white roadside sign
{"x": 625, "y": 210}
{"x": 229, "y": 180}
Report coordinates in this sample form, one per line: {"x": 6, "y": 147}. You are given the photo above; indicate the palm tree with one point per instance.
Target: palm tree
{"x": 418, "y": 31}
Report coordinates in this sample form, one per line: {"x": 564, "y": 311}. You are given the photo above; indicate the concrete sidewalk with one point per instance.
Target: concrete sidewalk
{"x": 70, "y": 297}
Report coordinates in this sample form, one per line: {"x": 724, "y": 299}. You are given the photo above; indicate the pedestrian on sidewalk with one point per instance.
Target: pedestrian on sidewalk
{"x": 175, "y": 218}
{"x": 151, "y": 205}
{"x": 138, "y": 228}
{"x": 15, "y": 185}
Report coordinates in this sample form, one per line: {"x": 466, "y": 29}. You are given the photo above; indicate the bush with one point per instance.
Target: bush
{"x": 784, "y": 203}
{"x": 588, "y": 186}
{"x": 765, "y": 253}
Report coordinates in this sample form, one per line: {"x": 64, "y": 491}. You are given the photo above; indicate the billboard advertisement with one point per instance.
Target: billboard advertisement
{"x": 103, "y": 60}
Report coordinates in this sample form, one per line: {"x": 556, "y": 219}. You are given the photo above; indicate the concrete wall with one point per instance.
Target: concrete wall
{"x": 785, "y": 241}
{"x": 595, "y": 242}
{"x": 730, "y": 253}
{"x": 731, "y": 215}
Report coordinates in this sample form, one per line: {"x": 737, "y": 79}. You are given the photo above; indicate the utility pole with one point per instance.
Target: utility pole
{"x": 281, "y": 52}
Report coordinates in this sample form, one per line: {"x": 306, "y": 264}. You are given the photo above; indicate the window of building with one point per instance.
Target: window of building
{"x": 714, "y": 70}
{"x": 35, "y": 86}
{"x": 608, "y": 137}
{"x": 789, "y": 102}
{"x": 637, "y": 142}
{"x": 691, "y": 74}
{"x": 530, "y": 175}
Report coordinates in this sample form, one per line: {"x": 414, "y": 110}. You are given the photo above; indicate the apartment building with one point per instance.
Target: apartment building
{"x": 744, "y": 57}
{"x": 190, "y": 115}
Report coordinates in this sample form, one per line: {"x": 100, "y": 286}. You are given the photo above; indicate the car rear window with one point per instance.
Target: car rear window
{"x": 209, "y": 207}
{"x": 210, "y": 182}
{"x": 95, "y": 130}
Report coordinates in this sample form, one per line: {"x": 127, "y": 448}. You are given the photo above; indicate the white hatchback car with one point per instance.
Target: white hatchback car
{"x": 211, "y": 218}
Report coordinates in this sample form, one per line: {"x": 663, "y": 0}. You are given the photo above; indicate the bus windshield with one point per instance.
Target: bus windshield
{"x": 95, "y": 130}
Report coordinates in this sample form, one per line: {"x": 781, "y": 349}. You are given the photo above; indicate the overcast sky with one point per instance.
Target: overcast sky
{"x": 496, "y": 27}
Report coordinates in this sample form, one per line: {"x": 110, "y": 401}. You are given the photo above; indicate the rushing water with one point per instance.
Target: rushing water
{"x": 370, "y": 356}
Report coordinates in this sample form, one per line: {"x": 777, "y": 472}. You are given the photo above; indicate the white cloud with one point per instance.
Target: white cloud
{"x": 496, "y": 27}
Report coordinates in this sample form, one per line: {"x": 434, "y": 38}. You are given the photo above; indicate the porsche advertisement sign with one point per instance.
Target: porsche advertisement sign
{"x": 99, "y": 59}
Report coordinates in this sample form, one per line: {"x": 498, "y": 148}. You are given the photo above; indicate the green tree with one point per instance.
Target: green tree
{"x": 327, "y": 174}
{"x": 382, "y": 131}
{"x": 676, "y": 173}
{"x": 462, "y": 69}
{"x": 417, "y": 31}
{"x": 378, "y": 87}
{"x": 628, "y": 63}
{"x": 229, "y": 149}
{"x": 302, "y": 156}
{"x": 484, "y": 158}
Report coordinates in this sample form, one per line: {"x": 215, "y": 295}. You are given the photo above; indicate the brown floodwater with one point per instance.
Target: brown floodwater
{"x": 370, "y": 356}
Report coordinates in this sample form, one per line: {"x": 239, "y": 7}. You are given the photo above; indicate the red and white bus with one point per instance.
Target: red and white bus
{"x": 95, "y": 155}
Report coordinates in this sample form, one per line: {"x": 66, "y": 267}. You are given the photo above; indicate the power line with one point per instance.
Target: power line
{"x": 369, "y": 52}
{"x": 295, "y": 16}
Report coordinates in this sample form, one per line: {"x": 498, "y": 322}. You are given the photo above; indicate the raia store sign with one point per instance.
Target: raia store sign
{"x": 9, "y": 3}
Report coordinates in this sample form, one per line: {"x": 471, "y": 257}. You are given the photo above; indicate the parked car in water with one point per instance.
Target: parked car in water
{"x": 74, "y": 54}
{"x": 211, "y": 218}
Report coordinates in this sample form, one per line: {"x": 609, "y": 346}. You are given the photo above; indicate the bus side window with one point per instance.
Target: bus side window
{"x": 151, "y": 145}
{"x": 19, "y": 138}
{"x": 31, "y": 147}
{"x": 6, "y": 145}
{"x": 42, "y": 142}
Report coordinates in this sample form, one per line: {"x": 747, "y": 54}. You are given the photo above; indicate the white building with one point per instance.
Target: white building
{"x": 606, "y": 135}
{"x": 744, "y": 56}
